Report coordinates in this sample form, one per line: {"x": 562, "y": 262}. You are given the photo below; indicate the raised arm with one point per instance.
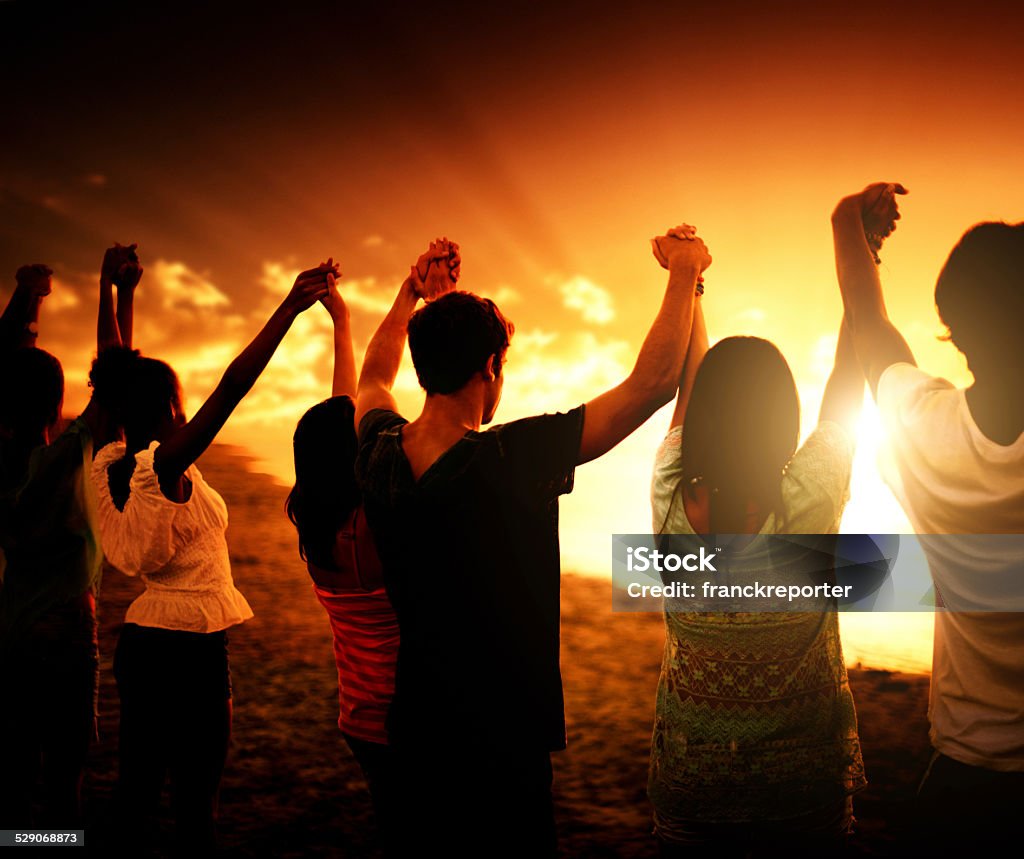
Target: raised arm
{"x": 126, "y": 278}
{"x": 435, "y": 272}
{"x": 176, "y": 453}
{"x": 844, "y": 392}
{"x": 695, "y": 353}
{"x": 860, "y": 223}
{"x": 120, "y": 268}
{"x": 615, "y": 414}
{"x": 19, "y": 324}
{"x": 343, "y": 382}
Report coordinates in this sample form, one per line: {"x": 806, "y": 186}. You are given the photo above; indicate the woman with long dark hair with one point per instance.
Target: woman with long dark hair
{"x": 325, "y": 505}
{"x": 755, "y": 743}
{"x": 160, "y": 520}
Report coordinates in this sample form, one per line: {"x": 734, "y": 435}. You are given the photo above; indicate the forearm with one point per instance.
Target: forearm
{"x": 125, "y": 315}
{"x": 844, "y": 391}
{"x": 384, "y": 353}
{"x": 859, "y": 282}
{"x": 847, "y": 367}
{"x": 695, "y": 353}
{"x": 107, "y": 334}
{"x": 19, "y": 321}
{"x": 660, "y": 362}
{"x": 344, "y": 380}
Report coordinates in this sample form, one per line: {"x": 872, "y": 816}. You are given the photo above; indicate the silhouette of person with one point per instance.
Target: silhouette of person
{"x": 955, "y": 460}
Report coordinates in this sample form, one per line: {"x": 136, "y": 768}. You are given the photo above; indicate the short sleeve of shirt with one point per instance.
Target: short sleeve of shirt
{"x": 140, "y": 538}
{"x": 49, "y": 549}
{"x": 816, "y": 485}
{"x": 901, "y": 386}
{"x": 374, "y": 423}
{"x": 668, "y": 517}
{"x": 53, "y": 494}
{"x": 902, "y": 389}
{"x": 541, "y": 452}
{"x": 914, "y": 407}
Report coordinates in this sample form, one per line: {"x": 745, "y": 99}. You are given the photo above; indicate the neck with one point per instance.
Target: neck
{"x": 133, "y": 444}
{"x": 997, "y": 406}
{"x": 463, "y": 410}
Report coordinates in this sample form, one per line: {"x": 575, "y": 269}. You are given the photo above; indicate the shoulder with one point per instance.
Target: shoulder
{"x": 666, "y": 500}
{"x": 904, "y": 384}
{"x": 72, "y": 444}
{"x": 828, "y": 440}
{"x": 816, "y": 485}
{"x": 77, "y": 432}
{"x": 107, "y": 456}
{"x": 377, "y": 421}
{"x": 537, "y": 427}
{"x": 372, "y": 453}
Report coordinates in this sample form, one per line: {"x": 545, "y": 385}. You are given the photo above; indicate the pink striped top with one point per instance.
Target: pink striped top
{"x": 365, "y": 630}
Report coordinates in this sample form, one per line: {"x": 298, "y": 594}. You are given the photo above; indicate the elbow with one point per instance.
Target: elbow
{"x": 661, "y": 391}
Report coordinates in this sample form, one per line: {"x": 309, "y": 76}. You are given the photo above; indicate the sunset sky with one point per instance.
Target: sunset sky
{"x": 551, "y": 143}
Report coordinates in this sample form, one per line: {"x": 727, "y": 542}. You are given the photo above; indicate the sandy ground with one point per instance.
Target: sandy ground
{"x": 292, "y": 788}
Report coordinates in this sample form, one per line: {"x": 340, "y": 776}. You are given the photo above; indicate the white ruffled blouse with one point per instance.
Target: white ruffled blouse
{"x": 180, "y": 550}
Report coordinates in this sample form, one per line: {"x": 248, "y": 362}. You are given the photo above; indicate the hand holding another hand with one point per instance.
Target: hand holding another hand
{"x": 333, "y": 301}
{"x": 681, "y": 247}
{"x": 311, "y": 286}
{"x": 35, "y": 278}
{"x": 437, "y": 270}
{"x": 878, "y": 210}
{"x": 121, "y": 266}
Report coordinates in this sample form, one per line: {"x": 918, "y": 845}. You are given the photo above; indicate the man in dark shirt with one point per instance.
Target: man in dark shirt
{"x": 466, "y": 523}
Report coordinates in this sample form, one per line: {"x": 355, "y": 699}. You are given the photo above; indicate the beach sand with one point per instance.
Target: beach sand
{"x": 291, "y": 787}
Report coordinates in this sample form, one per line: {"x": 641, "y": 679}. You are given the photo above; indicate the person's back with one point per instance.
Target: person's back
{"x": 755, "y": 742}
{"x": 471, "y": 561}
{"x": 467, "y": 527}
{"x": 955, "y": 460}
{"x": 952, "y": 479}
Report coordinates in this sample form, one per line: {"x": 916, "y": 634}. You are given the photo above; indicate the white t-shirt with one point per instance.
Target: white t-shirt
{"x": 952, "y": 479}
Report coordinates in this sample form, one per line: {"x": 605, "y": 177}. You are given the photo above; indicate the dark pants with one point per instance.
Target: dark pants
{"x": 965, "y": 808}
{"x": 493, "y": 802}
{"x": 175, "y": 692}
{"x": 49, "y": 679}
{"x": 378, "y": 765}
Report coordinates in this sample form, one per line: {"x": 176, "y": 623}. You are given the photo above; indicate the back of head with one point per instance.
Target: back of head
{"x": 141, "y": 394}
{"x": 31, "y": 392}
{"x": 741, "y": 428}
{"x": 980, "y": 297}
{"x": 453, "y": 337}
{"x": 325, "y": 491}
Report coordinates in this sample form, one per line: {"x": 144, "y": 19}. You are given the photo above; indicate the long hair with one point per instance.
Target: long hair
{"x": 138, "y": 392}
{"x": 325, "y": 491}
{"x": 741, "y": 429}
